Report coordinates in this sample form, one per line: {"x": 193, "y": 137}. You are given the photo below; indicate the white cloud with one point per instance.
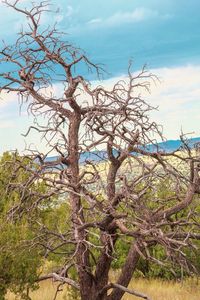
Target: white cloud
{"x": 137, "y": 15}
{"x": 177, "y": 95}
{"x": 4, "y": 124}
{"x": 7, "y": 98}
{"x": 95, "y": 21}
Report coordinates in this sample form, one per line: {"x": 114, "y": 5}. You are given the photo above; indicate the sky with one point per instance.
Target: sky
{"x": 164, "y": 35}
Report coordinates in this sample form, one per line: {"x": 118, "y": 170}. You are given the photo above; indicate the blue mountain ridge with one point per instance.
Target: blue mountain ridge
{"x": 166, "y": 146}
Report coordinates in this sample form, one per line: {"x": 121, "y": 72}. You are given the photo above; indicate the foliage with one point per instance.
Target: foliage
{"x": 19, "y": 263}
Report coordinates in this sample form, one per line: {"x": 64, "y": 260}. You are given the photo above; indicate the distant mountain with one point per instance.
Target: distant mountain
{"x": 91, "y": 156}
{"x": 168, "y": 146}
{"x": 172, "y": 145}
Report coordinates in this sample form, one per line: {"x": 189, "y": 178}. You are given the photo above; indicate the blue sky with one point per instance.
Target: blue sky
{"x": 164, "y": 35}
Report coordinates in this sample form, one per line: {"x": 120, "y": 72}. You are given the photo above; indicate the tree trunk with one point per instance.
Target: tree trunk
{"x": 127, "y": 271}
{"x": 80, "y": 236}
{"x": 124, "y": 279}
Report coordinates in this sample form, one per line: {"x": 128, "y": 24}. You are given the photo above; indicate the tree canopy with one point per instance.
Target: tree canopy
{"x": 117, "y": 199}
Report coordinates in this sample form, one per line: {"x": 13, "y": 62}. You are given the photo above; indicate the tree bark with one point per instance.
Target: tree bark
{"x": 127, "y": 271}
{"x": 82, "y": 253}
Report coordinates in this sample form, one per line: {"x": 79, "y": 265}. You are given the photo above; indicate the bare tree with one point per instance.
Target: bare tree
{"x": 118, "y": 196}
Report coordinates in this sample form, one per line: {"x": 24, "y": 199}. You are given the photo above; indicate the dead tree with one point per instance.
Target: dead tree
{"x": 116, "y": 197}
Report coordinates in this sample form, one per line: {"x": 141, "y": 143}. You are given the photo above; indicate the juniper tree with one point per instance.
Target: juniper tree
{"x": 116, "y": 198}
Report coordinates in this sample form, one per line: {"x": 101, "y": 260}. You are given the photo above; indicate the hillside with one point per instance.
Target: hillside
{"x": 167, "y": 146}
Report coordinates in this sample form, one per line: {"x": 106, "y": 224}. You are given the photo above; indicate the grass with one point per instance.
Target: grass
{"x": 166, "y": 290}
{"x": 154, "y": 288}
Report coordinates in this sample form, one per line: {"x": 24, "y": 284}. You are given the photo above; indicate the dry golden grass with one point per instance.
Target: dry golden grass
{"x": 166, "y": 290}
{"x": 46, "y": 292}
{"x": 156, "y": 289}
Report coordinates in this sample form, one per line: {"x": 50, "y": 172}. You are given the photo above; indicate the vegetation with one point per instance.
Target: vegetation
{"x": 156, "y": 288}
{"x": 19, "y": 263}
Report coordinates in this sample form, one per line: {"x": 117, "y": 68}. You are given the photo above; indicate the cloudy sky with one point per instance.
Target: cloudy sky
{"x": 164, "y": 35}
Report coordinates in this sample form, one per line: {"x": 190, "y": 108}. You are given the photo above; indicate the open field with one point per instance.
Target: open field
{"x": 156, "y": 289}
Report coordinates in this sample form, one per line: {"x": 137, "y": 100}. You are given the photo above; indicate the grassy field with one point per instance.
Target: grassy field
{"x": 156, "y": 289}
